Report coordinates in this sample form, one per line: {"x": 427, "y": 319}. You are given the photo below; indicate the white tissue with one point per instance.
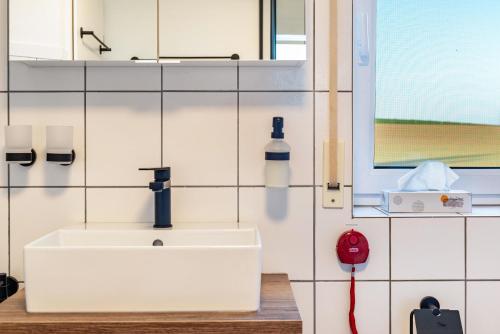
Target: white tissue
{"x": 430, "y": 175}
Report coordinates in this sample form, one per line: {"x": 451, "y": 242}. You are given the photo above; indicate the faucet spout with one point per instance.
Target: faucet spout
{"x": 161, "y": 188}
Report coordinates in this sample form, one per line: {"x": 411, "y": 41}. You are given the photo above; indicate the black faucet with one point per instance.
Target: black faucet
{"x": 161, "y": 187}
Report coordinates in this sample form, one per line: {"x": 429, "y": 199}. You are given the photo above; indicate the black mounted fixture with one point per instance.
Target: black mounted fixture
{"x": 23, "y": 159}
{"x": 431, "y": 319}
{"x": 102, "y": 47}
{"x": 8, "y": 286}
{"x": 161, "y": 188}
{"x": 63, "y": 159}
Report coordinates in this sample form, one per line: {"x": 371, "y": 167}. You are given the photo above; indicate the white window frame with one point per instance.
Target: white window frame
{"x": 368, "y": 182}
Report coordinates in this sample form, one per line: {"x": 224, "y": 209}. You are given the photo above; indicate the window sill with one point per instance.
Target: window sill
{"x": 377, "y": 212}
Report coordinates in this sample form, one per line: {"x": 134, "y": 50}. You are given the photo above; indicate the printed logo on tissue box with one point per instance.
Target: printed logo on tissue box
{"x": 427, "y": 201}
{"x": 453, "y": 201}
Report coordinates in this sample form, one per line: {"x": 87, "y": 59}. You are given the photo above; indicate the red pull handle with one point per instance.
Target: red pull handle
{"x": 352, "y": 318}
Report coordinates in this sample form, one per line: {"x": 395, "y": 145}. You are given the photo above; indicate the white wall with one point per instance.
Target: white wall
{"x": 130, "y": 29}
{"x": 3, "y": 45}
{"x": 118, "y": 122}
{"x": 235, "y": 29}
{"x": 88, "y": 14}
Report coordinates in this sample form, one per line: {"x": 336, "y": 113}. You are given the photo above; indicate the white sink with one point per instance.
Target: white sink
{"x": 115, "y": 268}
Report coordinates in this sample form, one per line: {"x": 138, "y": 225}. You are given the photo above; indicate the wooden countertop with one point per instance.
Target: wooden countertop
{"x": 278, "y": 314}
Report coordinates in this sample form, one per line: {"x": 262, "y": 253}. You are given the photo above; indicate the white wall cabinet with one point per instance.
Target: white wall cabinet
{"x": 122, "y": 30}
{"x": 50, "y": 29}
{"x": 44, "y": 32}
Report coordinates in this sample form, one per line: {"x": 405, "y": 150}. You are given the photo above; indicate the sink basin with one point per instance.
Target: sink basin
{"x": 116, "y": 268}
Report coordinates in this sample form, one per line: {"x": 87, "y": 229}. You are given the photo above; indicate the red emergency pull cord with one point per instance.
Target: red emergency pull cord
{"x": 352, "y": 319}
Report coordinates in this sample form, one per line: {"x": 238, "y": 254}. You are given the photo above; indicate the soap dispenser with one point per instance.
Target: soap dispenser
{"x": 277, "y": 157}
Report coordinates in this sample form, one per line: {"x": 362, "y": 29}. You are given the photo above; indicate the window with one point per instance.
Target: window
{"x": 427, "y": 86}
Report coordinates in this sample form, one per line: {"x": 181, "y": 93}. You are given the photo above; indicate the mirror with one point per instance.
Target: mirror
{"x": 152, "y": 30}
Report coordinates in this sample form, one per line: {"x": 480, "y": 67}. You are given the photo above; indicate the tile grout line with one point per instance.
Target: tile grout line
{"x": 238, "y": 143}
{"x": 314, "y": 160}
{"x": 364, "y": 280}
{"x": 85, "y": 216}
{"x": 145, "y": 186}
{"x": 450, "y": 280}
{"x": 9, "y": 260}
{"x": 161, "y": 117}
{"x": 55, "y": 91}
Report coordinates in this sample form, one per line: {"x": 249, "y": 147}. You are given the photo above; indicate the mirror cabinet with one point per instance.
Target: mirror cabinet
{"x": 157, "y": 30}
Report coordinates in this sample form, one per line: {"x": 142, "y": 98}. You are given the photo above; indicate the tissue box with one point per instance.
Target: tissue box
{"x": 427, "y": 201}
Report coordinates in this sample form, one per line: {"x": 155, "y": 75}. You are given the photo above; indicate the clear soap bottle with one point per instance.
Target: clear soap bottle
{"x": 277, "y": 157}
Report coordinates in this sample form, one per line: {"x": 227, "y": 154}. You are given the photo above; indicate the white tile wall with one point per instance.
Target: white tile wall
{"x": 3, "y": 123}
{"x": 285, "y": 220}
{"x": 40, "y": 110}
{"x": 4, "y": 223}
{"x": 256, "y": 113}
{"x": 483, "y": 313}
{"x": 406, "y": 296}
{"x": 123, "y": 135}
{"x": 3, "y": 45}
{"x": 483, "y": 248}
{"x": 128, "y": 205}
{"x": 213, "y": 137}
{"x": 213, "y": 204}
{"x": 38, "y": 211}
{"x": 141, "y": 78}
{"x": 304, "y": 296}
{"x": 4, "y": 231}
{"x": 372, "y": 307}
{"x": 40, "y": 78}
{"x": 211, "y": 78}
{"x": 188, "y": 117}
{"x": 432, "y": 248}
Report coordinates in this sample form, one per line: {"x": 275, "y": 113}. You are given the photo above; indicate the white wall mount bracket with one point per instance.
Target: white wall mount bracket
{"x": 333, "y": 198}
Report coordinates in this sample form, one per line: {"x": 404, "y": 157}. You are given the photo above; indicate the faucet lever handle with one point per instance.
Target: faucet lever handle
{"x": 156, "y": 168}
{"x": 162, "y": 174}
{"x": 159, "y": 186}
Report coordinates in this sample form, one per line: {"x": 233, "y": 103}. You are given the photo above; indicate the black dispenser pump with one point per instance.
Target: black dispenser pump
{"x": 278, "y": 124}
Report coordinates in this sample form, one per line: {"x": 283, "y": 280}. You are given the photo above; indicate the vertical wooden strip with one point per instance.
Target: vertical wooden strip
{"x": 333, "y": 179}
